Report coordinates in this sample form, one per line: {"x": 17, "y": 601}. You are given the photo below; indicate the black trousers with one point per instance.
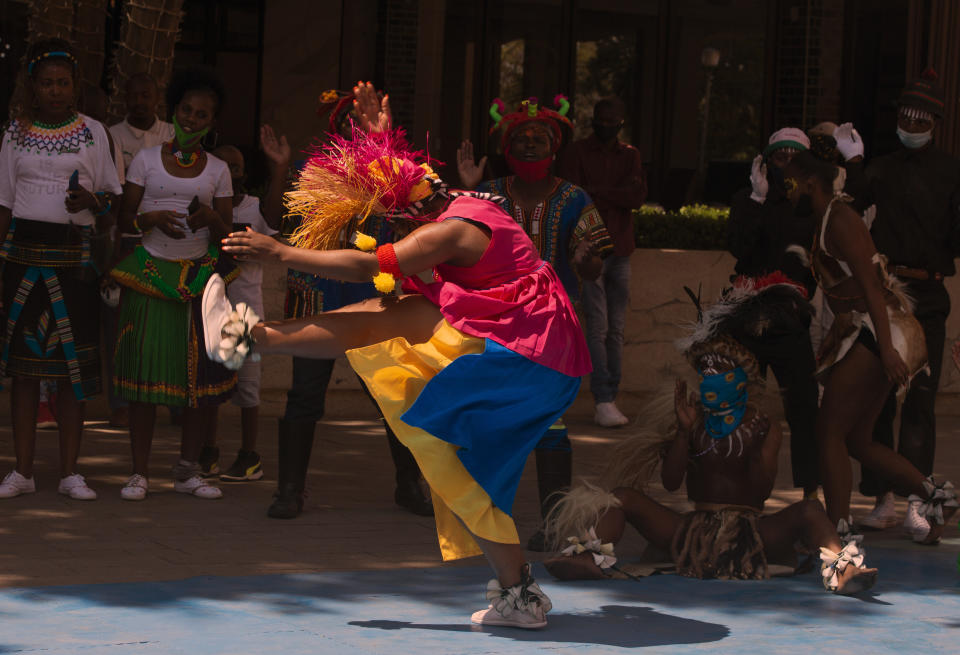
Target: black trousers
{"x": 789, "y": 354}
{"x": 918, "y": 421}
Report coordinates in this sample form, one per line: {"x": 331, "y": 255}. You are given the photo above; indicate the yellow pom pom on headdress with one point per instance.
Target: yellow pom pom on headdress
{"x": 347, "y": 179}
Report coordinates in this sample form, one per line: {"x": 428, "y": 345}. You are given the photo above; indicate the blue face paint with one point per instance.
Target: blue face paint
{"x": 724, "y": 398}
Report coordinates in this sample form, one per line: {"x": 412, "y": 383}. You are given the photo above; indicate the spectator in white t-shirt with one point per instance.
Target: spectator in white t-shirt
{"x": 262, "y": 216}
{"x": 140, "y": 128}
{"x": 180, "y": 198}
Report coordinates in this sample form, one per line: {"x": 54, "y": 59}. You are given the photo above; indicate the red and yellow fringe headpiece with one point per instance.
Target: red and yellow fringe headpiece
{"x": 372, "y": 173}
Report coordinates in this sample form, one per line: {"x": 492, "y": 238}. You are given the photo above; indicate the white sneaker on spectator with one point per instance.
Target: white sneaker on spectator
{"x": 135, "y": 488}
{"x": 76, "y": 487}
{"x": 914, "y": 524}
{"x": 884, "y": 514}
{"x": 608, "y": 416}
{"x": 15, "y": 484}
{"x": 198, "y": 487}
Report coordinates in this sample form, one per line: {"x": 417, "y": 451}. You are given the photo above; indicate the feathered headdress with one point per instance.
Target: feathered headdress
{"x": 745, "y": 312}
{"x": 530, "y": 111}
{"x": 372, "y": 173}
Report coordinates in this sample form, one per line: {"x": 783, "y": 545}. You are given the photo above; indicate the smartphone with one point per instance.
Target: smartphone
{"x": 193, "y": 206}
{"x": 74, "y": 183}
{"x": 241, "y": 227}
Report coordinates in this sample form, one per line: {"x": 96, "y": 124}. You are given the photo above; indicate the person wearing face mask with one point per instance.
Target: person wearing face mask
{"x": 917, "y": 226}
{"x": 564, "y": 225}
{"x": 763, "y": 224}
{"x": 179, "y": 197}
{"x": 874, "y": 345}
{"x": 263, "y": 216}
{"x": 612, "y": 173}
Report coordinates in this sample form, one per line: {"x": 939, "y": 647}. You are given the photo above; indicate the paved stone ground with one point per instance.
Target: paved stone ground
{"x": 178, "y": 574}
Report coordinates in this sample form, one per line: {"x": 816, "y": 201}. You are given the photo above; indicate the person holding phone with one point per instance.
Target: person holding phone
{"x": 179, "y": 197}
{"x": 58, "y": 189}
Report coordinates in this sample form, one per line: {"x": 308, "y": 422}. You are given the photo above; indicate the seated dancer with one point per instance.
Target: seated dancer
{"x": 873, "y": 343}
{"x": 469, "y": 368}
{"x": 726, "y": 448}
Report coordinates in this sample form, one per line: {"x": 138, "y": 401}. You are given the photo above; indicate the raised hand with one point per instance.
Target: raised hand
{"x": 276, "y": 150}
{"x": 849, "y": 143}
{"x": 686, "y": 407}
{"x": 758, "y": 180}
{"x": 373, "y": 113}
{"x": 471, "y": 173}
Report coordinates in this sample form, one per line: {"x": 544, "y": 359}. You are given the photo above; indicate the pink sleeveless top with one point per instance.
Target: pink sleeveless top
{"x": 510, "y": 296}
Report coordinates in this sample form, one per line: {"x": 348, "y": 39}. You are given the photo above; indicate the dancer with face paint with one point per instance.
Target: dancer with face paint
{"x": 726, "y": 448}
{"x": 917, "y": 226}
{"x": 564, "y": 225}
{"x": 763, "y": 225}
{"x": 873, "y": 345}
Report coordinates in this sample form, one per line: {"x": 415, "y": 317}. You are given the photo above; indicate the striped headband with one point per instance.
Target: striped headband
{"x": 47, "y": 55}
{"x": 916, "y": 114}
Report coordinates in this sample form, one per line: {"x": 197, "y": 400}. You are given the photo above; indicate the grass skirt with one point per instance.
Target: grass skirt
{"x": 721, "y": 544}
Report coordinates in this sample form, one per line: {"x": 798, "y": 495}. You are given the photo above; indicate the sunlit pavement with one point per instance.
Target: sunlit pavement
{"x": 175, "y": 574}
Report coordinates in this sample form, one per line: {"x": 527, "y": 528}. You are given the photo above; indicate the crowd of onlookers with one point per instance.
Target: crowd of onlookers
{"x": 129, "y": 219}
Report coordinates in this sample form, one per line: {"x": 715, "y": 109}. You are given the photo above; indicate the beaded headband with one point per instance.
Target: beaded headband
{"x": 47, "y": 55}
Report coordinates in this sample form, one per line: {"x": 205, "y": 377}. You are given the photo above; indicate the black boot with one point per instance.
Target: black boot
{"x": 413, "y": 492}
{"x": 293, "y": 460}
{"x": 554, "y": 473}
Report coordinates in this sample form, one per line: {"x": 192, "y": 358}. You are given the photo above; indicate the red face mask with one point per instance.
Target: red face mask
{"x": 529, "y": 171}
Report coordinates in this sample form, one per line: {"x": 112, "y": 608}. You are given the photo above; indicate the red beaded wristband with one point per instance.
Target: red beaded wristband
{"x": 387, "y": 259}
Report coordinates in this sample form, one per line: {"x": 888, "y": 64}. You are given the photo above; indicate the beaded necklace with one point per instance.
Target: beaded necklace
{"x": 184, "y": 159}
{"x": 68, "y": 136}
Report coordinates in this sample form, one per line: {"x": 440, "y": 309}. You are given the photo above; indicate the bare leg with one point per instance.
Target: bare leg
{"x": 197, "y": 422}
{"x": 656, "y": 523}
{"x": 330, "y": 334}
{"x": 70, "y": 413}
{"x": 24, "y": 396}
{"x": 143, "y": 416}
{"x": 848, "y": 401}
{"x": 806, "y": 521}
{"x": 507, "y": 561}
{"x": 248, "y": 427}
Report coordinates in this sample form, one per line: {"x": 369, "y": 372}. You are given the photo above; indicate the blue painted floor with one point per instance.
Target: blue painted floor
{"x": 914, "y": 609}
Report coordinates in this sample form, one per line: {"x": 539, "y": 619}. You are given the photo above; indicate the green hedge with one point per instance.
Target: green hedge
{"x": 694, "y": 227}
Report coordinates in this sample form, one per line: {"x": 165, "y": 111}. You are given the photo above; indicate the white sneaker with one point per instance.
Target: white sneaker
{"x": 15, "y": 484}
{"x": 198, "y": 487}
{"x": 135, "y": 488}
{"x": 884, "y": 514}
{"x": 608, "y": 416}
{"x": 914, "y": 524}
{"x": 76, "y": 487}
{"x": 226, "y": 330}
{"x": 523, "y": 605}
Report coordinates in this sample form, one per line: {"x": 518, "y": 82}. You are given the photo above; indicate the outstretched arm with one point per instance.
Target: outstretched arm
{"x": 455, "y": 242}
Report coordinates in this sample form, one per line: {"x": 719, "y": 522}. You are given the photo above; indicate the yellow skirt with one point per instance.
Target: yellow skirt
{"x": 395, "y": 373}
